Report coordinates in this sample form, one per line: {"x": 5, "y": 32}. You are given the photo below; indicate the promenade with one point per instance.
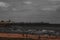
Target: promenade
{"x": 29, "y": 36}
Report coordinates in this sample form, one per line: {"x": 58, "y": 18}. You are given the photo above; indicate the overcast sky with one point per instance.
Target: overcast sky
{"x": 30, "y": 10}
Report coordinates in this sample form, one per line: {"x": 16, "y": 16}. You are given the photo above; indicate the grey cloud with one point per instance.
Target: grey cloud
{"x": 35, "y": 14}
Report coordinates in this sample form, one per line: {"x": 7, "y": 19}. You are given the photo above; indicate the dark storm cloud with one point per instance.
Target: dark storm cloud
{"x": 36, "y": 11}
